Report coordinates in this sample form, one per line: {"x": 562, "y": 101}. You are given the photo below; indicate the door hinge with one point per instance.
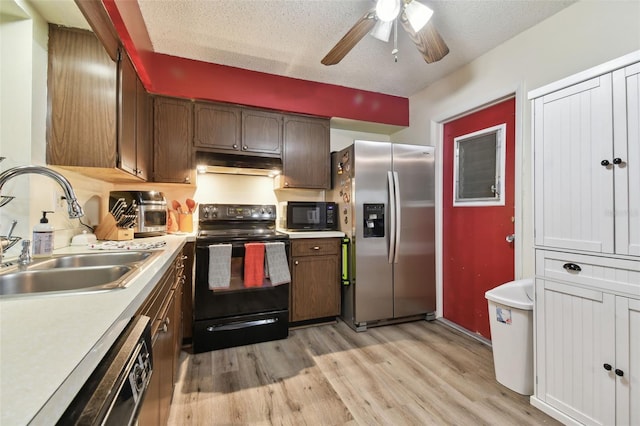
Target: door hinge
{"x": 119, "y": 54}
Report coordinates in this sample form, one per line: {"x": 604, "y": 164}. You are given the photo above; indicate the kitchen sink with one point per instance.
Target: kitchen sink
{"x": 74, "y": 273}
{"x": 92, "y": 259}
{"x": 65, "y": 279}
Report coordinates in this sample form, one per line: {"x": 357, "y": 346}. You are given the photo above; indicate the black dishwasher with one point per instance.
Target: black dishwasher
{"x": 114, "y": 392}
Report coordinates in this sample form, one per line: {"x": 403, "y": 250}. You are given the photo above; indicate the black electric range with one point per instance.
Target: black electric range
{"x": 237, "y": 314}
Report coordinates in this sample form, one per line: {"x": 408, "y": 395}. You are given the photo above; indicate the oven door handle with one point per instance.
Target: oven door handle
{"x": 241, "y": 324}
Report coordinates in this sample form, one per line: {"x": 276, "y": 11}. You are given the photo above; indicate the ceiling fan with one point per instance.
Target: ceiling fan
{"x": 415, "y": 18}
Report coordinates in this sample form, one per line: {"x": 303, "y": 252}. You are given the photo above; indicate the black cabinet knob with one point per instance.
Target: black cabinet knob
{"x": 619, "y": 372}
{"x": 572, "y": 267}
{"x": 607, "y": 367}
{"x": 604, "y": 163}
{"x": 617, "y": 160}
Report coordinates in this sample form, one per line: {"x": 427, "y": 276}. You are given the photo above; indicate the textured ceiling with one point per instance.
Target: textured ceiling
{"x": 290, "y": 37}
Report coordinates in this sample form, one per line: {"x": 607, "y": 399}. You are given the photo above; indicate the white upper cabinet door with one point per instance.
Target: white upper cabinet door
{"x": 626, "y": 158}
{"x": 573, "y": 154}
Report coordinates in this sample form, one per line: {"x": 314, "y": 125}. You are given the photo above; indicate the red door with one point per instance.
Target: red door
{"x": 476, "y": 254}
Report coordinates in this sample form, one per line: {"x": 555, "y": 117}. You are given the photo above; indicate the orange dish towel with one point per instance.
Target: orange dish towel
{"x": 253, "y": 264}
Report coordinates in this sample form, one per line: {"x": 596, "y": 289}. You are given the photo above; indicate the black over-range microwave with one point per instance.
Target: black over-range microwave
{"x": 311, "y": 216}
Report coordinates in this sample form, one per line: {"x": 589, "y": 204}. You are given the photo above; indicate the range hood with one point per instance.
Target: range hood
{"x": 209, "y": 162}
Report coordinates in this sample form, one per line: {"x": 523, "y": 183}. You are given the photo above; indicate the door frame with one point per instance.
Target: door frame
{"x": 437, "y": 135}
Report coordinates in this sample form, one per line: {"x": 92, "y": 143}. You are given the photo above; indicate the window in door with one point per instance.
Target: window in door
{"x": 479, "y": 166}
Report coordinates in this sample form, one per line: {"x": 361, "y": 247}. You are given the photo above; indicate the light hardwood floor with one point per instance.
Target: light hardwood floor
{"x": 418, "y": 373}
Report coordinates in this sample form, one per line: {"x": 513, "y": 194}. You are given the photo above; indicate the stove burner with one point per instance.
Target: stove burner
{"x": 238, "y": 222}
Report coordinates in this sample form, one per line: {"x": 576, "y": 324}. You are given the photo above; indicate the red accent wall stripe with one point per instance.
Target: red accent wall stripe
{"x": 186, "y": 78}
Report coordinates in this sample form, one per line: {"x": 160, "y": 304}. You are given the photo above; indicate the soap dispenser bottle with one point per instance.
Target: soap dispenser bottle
{"x": 43, "y": 237}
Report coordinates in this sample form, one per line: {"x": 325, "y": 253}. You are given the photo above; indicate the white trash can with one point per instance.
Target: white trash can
{"x": 511, "y": 321}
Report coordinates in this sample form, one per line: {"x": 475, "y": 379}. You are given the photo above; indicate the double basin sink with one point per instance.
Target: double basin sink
{"x": 85, "y": 272}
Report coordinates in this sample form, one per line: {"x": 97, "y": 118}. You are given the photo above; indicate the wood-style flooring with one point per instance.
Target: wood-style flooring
{"x": 418, "y": 373}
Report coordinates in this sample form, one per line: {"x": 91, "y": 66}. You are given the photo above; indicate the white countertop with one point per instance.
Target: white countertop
{"x": 312, "y": 234}
{"x": 50, "y": 344}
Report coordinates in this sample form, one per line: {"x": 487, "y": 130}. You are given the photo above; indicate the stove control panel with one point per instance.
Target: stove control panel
{"x": 237, "y": 212}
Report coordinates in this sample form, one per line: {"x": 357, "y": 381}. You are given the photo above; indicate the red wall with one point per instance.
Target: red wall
{"x": 174, "y": 76}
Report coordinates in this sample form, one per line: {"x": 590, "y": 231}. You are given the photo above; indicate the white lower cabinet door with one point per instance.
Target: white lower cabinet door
{"x": 575, "y": 344}
{"x": 627, "y": 368}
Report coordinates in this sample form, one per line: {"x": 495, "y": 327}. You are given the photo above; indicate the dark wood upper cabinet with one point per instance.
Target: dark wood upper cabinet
{"x": 217, "y": 127}
{"x": 98, "y": 114}
{"x": 82, "y": 86}
{"x": 306, "y": 153}
{"x": 261, "y": 133}
{"x": 172, "y": 133}
{"x": 134, "y": 141}
{"x": 144, "y": 137}
{"x": 232, "y": 129}
{"x": 127, "y": 115}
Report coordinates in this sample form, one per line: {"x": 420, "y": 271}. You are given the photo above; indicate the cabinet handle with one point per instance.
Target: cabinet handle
{"x": 235, "y": 146}
{"x": 315, "y": 248}
{"x": 572, "y": 267}
{"x": 295, "y": 263}
{"x": 138, "y": 172}
{"x": 244, "y": 148}
{"x": 619, "y": 372}
{"x": 607, "y": 367}
{"x": 617, "y": 160}
{"x": 604, "y": 163}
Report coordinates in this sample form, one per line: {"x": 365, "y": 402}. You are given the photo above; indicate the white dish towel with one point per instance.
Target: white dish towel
{"x": 219, "y": 266}
{"x": 277, "y": 264}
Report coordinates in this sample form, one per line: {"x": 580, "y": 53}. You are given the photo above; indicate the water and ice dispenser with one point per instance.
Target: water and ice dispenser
{"x": 373, "y": 220}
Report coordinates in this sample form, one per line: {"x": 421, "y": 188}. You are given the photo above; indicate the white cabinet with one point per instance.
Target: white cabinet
{"x": 574, "y": 339}
{"x": 586, "y": 148}
{"x": 628, "y": 361}
{"x": 587, "y": 165}
{"x": 626, "y": 149}
{"x": 587, "y": 313}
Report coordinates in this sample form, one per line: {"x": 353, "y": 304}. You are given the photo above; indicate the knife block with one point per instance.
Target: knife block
{"x": 108, "y": 230}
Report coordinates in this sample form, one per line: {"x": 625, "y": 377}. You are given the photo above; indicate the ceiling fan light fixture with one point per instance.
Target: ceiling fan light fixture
{"x": 387, "y": 10}
{"x": 382, "y": 30}
{"x": 417, "y": 14}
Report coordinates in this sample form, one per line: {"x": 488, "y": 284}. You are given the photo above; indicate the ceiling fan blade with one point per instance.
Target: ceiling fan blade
{"x": 428, "y": 41}
{"x": 351, "y": 38}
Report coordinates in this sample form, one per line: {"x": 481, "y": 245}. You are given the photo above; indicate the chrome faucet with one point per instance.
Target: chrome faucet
{"x": 25, "y": 255}
{"x": 74, "y": 208}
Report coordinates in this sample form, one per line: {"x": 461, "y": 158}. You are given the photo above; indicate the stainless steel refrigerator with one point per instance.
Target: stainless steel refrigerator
{"x": 385, "y": 192}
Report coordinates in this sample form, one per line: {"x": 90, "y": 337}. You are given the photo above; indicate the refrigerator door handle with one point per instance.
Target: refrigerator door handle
{"x": 398, "y": 207}
{"x": 392, "y": 219}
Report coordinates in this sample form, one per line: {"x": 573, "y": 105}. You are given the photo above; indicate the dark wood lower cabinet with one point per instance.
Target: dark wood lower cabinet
{"x": 164, "y": 307}
{"x": 187, "y": 292}
{"x": 315, "y": 286}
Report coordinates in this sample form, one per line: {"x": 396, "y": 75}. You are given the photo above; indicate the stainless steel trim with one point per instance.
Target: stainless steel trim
{"x": 398, "y": 206}
{"x": 392, "y": 220}
{"x": 241, "y": 324}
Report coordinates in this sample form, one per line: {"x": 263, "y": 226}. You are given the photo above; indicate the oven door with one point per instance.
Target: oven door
{"x": 237, "y": 299}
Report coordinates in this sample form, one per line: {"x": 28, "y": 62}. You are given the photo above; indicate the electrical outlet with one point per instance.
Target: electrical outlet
{"x": 58, "y": 200}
